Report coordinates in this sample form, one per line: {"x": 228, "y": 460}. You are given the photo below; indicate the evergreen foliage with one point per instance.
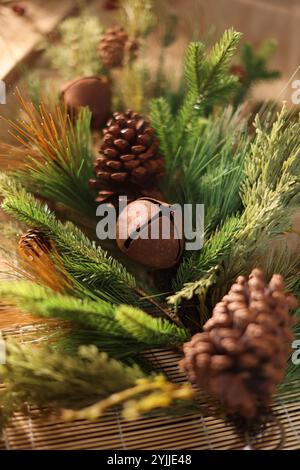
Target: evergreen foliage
{"x": 255, "y": 62}
{"x": 149, "y": 330}
{"x": 270, "y": 195}
{"x": 208, "y": 82}
{"x": 74, "y": 52}
{"x": 88, "y": 265}
{"x": 43, "y": 377}
{"x": 118, "y": 322}
{"x": 59, "y": 155}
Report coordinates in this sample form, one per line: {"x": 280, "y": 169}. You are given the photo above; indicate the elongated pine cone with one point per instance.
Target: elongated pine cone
{"x": 114, "y": 45}
{"x": 34, "y": 243}
{"x": 129, "y": 161}
{"x": 241, "y": 356}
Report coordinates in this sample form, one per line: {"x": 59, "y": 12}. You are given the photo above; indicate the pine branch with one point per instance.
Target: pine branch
{"x": 152, "y": 331}
{"x": 88, "y": 265}
{"x": 43, "y": 377}
{"x": 137, "y": 17}
{"x": 255, "y": 63}
{"x": 75, "y": 51}
{"x": 207, "y": 261}
{"x": 162, "y": 122}
{"x": 208, "y": 79}
{"x": 118, "y": 322}
{"x": 270, "y": 195}
{"x": 59, "y": 155}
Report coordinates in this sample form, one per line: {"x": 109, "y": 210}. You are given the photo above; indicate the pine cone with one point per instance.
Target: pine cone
{"x": 239, "y": 71}
{"x": 34, "y": 243}
{"x": 129, "y": 162}
{"x": 241, "y": 356}
{"x": 113, "y": 46}
{"x": 111, "y": 5}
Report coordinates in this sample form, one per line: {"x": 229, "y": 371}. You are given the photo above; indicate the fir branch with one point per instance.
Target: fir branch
{"x": 137, "y": 17}
{"x": 119, "y": 322}
{"x": 255, "y": 62}
{"x": 207, "y": 261}
{"x": 43, "y": 377}
{"x": 152, "y": 331}
{"x": 89, "y": 265}
{"x": 162, "y": 122}
{"x": 270, "y": 195}
{"x": 44, "y": 302}
{"x": 208, "y": 79}
{"x": 75, "y": 51}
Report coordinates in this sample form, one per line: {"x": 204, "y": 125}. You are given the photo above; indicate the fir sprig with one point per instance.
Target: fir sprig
{"x": 118, "y": 322}
{"x": 270, "y": 195}
{"x": 255, "y": 62}
{"x": 149, "y": 330}
{"x": 43, "y": 377}
{"x": 74, "y": 53}
{"x": 90, "y": 266}
{"x": 208, "y": 82}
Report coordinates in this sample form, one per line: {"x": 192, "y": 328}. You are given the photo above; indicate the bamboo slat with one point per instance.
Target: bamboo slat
{"x": 31, "y": 430}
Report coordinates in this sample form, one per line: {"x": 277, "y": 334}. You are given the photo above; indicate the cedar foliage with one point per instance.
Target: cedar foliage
{"x": 269, "y": 194}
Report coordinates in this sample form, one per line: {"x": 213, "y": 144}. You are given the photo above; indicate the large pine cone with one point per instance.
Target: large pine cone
{"x": 129, "y": 160}
{"x": 113, "y": 46}
{"x": 241, "y": 356}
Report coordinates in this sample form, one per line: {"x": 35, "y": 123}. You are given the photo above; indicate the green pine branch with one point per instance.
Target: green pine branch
{"x": 116, "y": 322}
{"x": 89, "y": 265}
{"x": 270, "y": 195}
{"x": 162, "y": 122}
{"x": 204, "y": 264}
{"x": 208, "y": 79}
{"x": 152, "y": 331}
{"x": 255, "y": 62}
{"x": 59, "y": 162}
{"x": 208, "y": 82}
{"x": 74, "y": 53}
{"x": 43, "y": 377}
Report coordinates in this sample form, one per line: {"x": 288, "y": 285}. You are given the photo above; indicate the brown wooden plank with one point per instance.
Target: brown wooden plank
{"x": 20, "y": 34}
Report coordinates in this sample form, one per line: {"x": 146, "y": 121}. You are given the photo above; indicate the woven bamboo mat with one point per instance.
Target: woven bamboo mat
{"x": 30, "y": 430}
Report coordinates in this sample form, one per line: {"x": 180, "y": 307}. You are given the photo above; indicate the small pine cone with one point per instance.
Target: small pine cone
{"x": 239, "y": 71}
{"x": 129, "y": 162}
{"x": 111, "y": 5}
{"x": 34, "y": 243}
{"x": 241, "y": 356}
{"x": 114, "y": 45}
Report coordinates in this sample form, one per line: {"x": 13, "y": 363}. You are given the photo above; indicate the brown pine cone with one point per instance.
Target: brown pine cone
{"x": 239, "y": 71}
{"x": 114, "y": 45}
{"x": 241, "y": 356}
{"x": 34, "y": 243}
{"x": 111, "y": 5}
{"x": 129, "y": 162}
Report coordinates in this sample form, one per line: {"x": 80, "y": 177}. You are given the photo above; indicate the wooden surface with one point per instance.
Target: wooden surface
{"x": 21, "y": 34}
